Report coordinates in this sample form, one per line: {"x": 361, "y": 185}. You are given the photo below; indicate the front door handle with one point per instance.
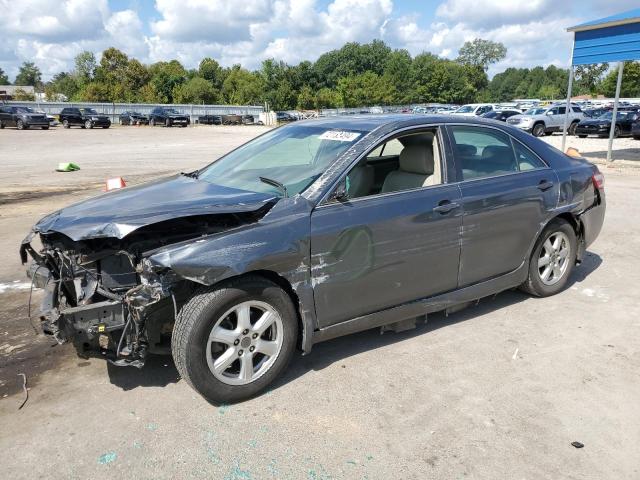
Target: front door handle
{"x": 545, "y": 185}
{"x": 445, "y": 206}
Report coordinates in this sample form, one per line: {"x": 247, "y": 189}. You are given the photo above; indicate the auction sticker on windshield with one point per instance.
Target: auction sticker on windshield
{"x": 338, "y": 135}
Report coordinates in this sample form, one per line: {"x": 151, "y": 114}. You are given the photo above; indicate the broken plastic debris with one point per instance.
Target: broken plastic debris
{"x": 577, "y": 444}
{"x": 67, "y": 167}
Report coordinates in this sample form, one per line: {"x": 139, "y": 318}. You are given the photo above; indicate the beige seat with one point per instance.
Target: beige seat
{"x": 415, "y": 168}
{"x": 360, "y": 181}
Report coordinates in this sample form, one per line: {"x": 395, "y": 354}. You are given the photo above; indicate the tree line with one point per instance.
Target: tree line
{"x": 352, "y": 76}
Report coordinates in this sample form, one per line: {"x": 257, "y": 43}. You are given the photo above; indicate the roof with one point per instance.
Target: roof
{"x": 611, "y": 39}
{"x": 11, "y": 89}
{"x": 624, "y": 18}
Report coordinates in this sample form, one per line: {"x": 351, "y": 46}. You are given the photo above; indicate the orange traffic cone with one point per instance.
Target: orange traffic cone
{"x": 114, "y": 183}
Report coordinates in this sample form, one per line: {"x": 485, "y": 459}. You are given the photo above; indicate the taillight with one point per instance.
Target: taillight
{"x": 598, "y": 180}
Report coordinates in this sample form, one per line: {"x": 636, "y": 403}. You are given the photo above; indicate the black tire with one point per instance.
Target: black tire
{"x": 65, "y": 123}
{"x": 582, "y": 136}
{"x": 572, "y": 128}
{"x": 46, "y": 128}
{"x": 635, "y": 137}
{"x": 534, "y": 284}
{"x": 20, "y": 125}
{"x": 198, "y": 316}
{"x": 152, "y": 122}
{"x": 105, "y": 126}
{"x": 1, "y": 125}
{"x": 538, "y": 130}
{"x": 167, "y": 122}
{"x": 616, "y": 132}
{"x": 88, "y": 124}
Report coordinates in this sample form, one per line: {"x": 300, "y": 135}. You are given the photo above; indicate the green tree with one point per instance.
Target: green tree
{"x": 21, "y": 94}
{"x": 365, "y": 89}
{"x": 439, "y": 80}
{"x": 85, "y": 63}
{"x": 630, "y": 86}
{"x": 211, "y": 70}
{"x": 197, "y": 90}
{"x": 29, "y": 74}
{"x": 481, "y": 53}
{"x": 62, "y": 83}
{"x": 306, "y": 98}
{"x": 165, "y": 76}
{"x": 327, "y": 98}
{"x": 4, "y": 80}
{"x": 397, "y": 71}
{"x": 588, "y": 77}
{"x": 242, "y": 87}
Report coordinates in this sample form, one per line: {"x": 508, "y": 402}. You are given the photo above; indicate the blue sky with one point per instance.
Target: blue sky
{"x": 52, "y": 32}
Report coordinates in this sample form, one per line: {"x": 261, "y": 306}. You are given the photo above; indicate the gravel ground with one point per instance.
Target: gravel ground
{"x": 626, "y": 150}
{"x": 499, "y": 390}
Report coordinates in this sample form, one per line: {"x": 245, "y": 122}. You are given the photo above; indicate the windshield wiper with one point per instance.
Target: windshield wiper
{"x": 193, "y": 174}
{"x": 275, "y": 183}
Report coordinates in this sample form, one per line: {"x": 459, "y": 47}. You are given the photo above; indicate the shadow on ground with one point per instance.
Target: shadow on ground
{"x": 630, "y": 154}
{"x": 160, "y": 371}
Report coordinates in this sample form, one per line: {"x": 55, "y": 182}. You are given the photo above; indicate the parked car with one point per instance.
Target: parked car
{"x": 133, "y": 118}
{"x": 83, "y": 117}
{"x": 474, "y": 109}
{"x": 595, "y": 112}
{"x": 635, "y": 130}
{"x": 601, "y": 126}
{"x": 501, "y": 114}
{"x": 248, "y": 120}
{"x": 22, "y": 118}
{"x": 167, "y": 117}
{"x": 284, "y": 117}
{"x": 315, "y": 230}
{"x": 544, "y": 121}
{"x": 231, "y": 119}
{"x": 210, "y": 119}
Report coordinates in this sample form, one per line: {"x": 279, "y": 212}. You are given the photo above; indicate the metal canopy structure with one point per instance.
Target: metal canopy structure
{"x": 610, "y": 39}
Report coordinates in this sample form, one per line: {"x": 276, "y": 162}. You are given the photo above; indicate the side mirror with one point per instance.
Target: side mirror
{"x": 341, "y": 193}
{"x": 550, "y": 112}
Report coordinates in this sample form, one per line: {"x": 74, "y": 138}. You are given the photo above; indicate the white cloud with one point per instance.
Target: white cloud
{"x": 52, "y": 32}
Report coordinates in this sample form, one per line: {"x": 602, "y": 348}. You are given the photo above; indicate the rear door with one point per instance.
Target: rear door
{"x": 507, "y": 193}
{"x": 6, "y": 117}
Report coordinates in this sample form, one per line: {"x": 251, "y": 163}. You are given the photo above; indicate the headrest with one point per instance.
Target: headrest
{"x": 497, "y": 151}
{"x": 417, "y": 159}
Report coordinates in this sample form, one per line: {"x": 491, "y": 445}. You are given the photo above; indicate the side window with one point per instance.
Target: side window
{"x": 577, "y": 109}
{"x": 554, "y": 111}
{"x": 525, "y": 157}
{"x": 563, "y": 110}
{"x": 410, "y": 161}
{"x": 483, "y": 152}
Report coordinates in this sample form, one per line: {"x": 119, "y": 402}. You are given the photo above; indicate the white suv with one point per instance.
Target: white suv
{"x": 544, "y": 121}
{"x": 474, "y": 109}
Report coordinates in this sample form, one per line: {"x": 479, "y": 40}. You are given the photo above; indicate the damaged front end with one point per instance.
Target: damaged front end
{"x": 102, "y": 293}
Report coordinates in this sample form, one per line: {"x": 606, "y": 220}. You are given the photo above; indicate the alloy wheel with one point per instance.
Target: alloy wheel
{"x": 244, "y": 343}
{"x": 554, "y": 258}
{"x": 20, "y": 125}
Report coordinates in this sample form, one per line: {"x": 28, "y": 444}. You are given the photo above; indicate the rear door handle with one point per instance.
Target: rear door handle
{"x": 545, "y": 185}
{"x": 445, "y": 206}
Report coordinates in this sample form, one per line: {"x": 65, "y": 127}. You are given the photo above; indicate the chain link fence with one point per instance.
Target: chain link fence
{"x": 113, "y": 110}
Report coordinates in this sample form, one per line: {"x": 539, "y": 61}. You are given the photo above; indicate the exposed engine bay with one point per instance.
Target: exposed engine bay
{"x": 103, "y": 295}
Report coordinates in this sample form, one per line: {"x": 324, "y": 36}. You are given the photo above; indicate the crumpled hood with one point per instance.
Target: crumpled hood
{"x": 120, "y": 212}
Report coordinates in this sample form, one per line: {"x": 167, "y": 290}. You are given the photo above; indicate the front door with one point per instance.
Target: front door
{"x": 393, "y": 245}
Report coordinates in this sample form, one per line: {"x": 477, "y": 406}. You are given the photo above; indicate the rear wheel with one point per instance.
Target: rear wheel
{"x": 88, "y": 124}
{"x": 152, "y": 123}
{"x": 167, "y": 123}
{"x": 231, "y": 341}
{"x": 616, "y": 132}
{"x": 1, "y": 125}
{"x": 582, "y": 136}
{"x": 552, "y": 260}
{"x": 46, "y": 128}
{"x": 20, "y": 125}
{"x": 538, "y": 130}
{"x": 65, "y": 123}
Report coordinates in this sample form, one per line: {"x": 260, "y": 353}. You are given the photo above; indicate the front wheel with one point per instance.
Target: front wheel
{"x": 20, "y": 125}
{"x": 152, "y": 123}
{"x": 46, "y": 128}
{"x": 538, "y": 130}
{"x": 65, "y": 123}
{"x": 616, "y": 132}
{"x": 582, "y": 136}
{"x": 231, "y": 341}
{"x": 167, "y": 123}
{"x": 88, "y": 124}
{"x": 552, "y": 260}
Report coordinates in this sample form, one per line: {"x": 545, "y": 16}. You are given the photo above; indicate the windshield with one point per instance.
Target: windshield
{"x": 534, "y": 111}
{"x": 619, "y": 116}
{"x": 89, "y": 111}
{"x": 24, "y": 110}
{"x": 294, "y": 155}
{"x": 170, "y": 110}
{"x": 466, "y": 109}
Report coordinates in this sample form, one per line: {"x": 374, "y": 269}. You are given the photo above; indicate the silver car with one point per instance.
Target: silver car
{"x": 544, "y": 121}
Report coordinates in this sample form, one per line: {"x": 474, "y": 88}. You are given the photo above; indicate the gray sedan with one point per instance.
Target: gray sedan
{"x": 315, "y": 230}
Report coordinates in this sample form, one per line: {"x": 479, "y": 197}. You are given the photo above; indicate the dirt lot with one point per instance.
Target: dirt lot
{"x": 496, "y": 391}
